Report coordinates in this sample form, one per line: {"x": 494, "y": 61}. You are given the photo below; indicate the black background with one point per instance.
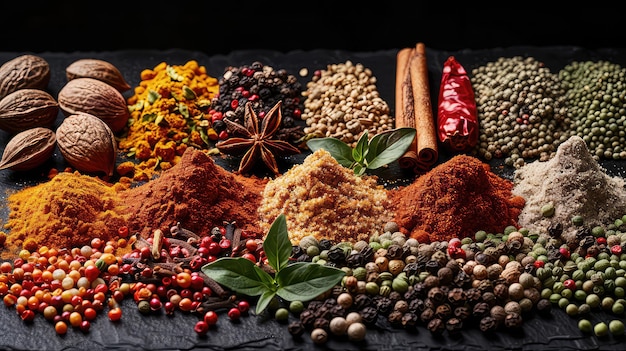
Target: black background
{"x": 219, "y": 27}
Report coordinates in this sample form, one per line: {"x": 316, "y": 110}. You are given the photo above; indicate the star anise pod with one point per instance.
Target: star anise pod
{"x": 251, "y": 142}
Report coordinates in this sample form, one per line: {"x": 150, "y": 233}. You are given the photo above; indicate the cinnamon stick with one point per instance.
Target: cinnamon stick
{"x": 414, "y": 109}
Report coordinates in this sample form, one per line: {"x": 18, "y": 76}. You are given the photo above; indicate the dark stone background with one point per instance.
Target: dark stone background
{"x": 219, "y": 27}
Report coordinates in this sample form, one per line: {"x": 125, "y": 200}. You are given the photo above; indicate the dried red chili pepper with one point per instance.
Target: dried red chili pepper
{"x": 457, "y": 119}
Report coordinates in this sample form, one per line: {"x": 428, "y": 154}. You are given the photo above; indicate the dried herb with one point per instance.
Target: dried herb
{"x": 252, "y": 142}
{"x": 292, "y": 280}
{"x": 383, "y": 149}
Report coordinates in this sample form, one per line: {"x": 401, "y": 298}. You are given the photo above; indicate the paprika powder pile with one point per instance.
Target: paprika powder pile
{"x": 455, "y": 200}
{"x": 197, "y": 193}
{"x": 65, "y": 212}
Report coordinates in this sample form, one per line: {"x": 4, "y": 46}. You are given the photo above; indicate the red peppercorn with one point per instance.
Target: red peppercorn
{"x": 616, "y": 249}
{"x": 123, "y": 231}
{"x": 155, "y": 304}
{"x": 210, "y": 318}
{"x": 28, "y": 315}
{"x": 297, "y": 113}
{"x": 538, "y": 264}
{"x": 225, "y": 243}
{"x": 91, "y": 272}
{"x": 234, "y": 313}
{"x": 234, "y": 104}
{"x": 201, "y": 328}
{"x": 570, "y": 284}
{"x": 223, "y": 135}
{"x": 249, "y": 256}
{"x": 564, "y": 252}
{"x": 601, "y": 240}
{"x": 243, "y": 306}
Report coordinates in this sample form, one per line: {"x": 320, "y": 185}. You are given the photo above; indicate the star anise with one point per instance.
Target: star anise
{"x": 251, "y": 142}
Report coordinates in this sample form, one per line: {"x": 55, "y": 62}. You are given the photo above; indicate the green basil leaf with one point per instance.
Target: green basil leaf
{"x": 264, "y": 301}
{"x": 305, "y": 280}
{"x": 389, "y": 146}
{"x": 277, "y": 245}
{"x": 358, "y": 169}
{"x": 339, "y": 150}
{"x": 239, "y": 275}
{"x": 360, "y": 150}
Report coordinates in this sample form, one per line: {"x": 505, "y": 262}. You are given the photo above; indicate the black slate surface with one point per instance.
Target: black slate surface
{"x": 161, "y": 332}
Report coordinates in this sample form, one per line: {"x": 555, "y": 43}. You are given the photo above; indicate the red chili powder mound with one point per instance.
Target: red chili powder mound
{"x": 455, "y": 200}
{"x": 197, "y": 193}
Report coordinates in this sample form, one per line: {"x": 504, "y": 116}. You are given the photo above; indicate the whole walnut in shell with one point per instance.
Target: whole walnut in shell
{"x": 25, "y": 71}
{"x": 87, "y": 143}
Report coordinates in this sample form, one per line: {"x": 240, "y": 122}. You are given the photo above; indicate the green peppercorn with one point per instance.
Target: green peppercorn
{"x": 571, "y": 309}
{"x": 296, "y": 306}
{"x": 547, "y": 210}
{"x": 577, "y": 220}
{"x": 281, "y": 314}
{"x": 601, "y": 329}
{"x": 144, "y": 306}
{"x": 616, "y": 327}
{"x": 585, "y": 326}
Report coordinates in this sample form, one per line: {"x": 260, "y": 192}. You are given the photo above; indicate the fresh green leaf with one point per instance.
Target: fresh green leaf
{"x": 389, "y": 146}
{"x": 264, "y": 300}
{"x": 339, "y": 150}
{"x": 360, "y": 150}
{"x": 304, "y": 281}
{"x": 359, "y": 169}
{"x": 240, "y": 275}
{"x": 276, "y": 245}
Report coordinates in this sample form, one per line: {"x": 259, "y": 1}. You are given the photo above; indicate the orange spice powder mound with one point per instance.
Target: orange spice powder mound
{"x": 455, "y": 200}
{"x": 199, "y": 194}
{"x": 67, "y": 211}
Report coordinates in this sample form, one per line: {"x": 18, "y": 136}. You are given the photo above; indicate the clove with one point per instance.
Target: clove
{"x": 186, "y": 234}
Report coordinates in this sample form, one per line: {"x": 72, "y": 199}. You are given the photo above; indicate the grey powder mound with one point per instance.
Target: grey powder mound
{"x": 575, "y": 184}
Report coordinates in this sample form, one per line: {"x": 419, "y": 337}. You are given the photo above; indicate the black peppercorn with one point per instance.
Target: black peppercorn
{"x": 337, "y": 255}
{"x": 436, "y": 295}
{"x": 488, "y": 324}
{"x": 296, "y": 328}
{"x": 360, "y": 301}
{"x": 513, "y": 320}
{"x": 369, "y": 315}
{"x": 395, "y": 318}
{"x": 462, "y": 312}
{"x": 544, "y": 307}
{"x": 321, "y": 323}
{"x": 384, "y": 305}
{"x": 436, "y": 326}
{"x": 454, "y": 326}
{"x": 409, "y": 320}
{"x": 480, "y": 310}
{"x": 456, "y": 296}
{"x": 416, "y": 305}
{"x": 443, "y": 311}
{"x": 325, "y": 244}
{"x": 427, "y": 315}
{"x": 307, "y": 317}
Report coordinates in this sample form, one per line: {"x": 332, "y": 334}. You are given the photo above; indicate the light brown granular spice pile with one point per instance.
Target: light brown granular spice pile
{"x": 322, "y": 198}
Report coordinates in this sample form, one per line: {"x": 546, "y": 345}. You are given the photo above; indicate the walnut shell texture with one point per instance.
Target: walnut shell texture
{"x": 27, "y": 108}
{"x": 97, "y": 98}
{"x": 87, "y": 143}
{"x": 28, "y": 149}
{"x": 97, "y": 69}
{"x": 26, "y": 71}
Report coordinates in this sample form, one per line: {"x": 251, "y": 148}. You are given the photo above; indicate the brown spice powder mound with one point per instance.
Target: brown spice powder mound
{"x": 455, "y": 200}
{"x": 322, "y": 198}
{"x": 197, "y": 193}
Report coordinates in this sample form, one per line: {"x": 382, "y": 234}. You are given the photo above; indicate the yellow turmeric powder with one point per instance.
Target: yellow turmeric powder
{"x": 169, "y": 112}
{"x": 67, "y": 211}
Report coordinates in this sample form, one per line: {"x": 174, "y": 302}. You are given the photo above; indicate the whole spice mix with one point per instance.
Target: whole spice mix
{"x": 197, "y": 194}
{"x": 67, "y": 211}
{"x": 455, "y": 200}
{"x": 169, "y": 112}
